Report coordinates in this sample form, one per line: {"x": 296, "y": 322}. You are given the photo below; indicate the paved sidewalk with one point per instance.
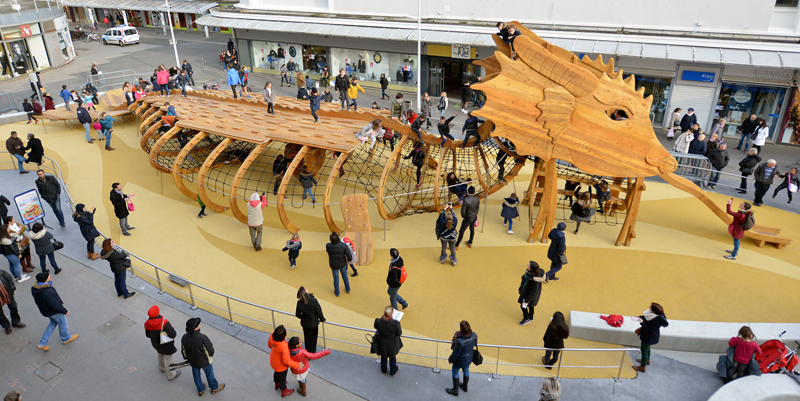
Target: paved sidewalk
{"x": 113, "y": 360}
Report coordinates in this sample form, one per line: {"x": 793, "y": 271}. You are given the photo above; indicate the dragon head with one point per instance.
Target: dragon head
{"x": 552, "y": 104}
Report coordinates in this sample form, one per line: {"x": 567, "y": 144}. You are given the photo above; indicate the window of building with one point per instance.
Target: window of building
{"x": 786, "y": 3}
{"x": 272, "y": 55}
{"x": 738, "y": 101}
{"x": 367, "y": 65}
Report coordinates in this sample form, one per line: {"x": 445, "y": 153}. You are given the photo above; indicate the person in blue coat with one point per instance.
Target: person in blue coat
{"x": 652, "y": 320}
{"x": 66, "y": 96}
{"x": 558, "y": 246}
{"x": 509, "y": 212}
{"x": 233, "y": 79}
{"x": 85, "y": 220}
{"x": 314, "y": 102}
{"x": 464, "y": 343}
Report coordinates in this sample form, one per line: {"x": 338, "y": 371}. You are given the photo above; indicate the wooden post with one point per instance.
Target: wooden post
{"x": 326, "y": 198}
{"x": 437, "y": 181}
{"x": 394, "y": 160}
{"x": 157, "y": 148}
{"x": 204, "y": 169}
{"x": 634, "y": 197}
{"x": 298, "y": 159}
{"x": 237, "y": 179}
{"x": 547, "y": 208}
{"x": 176, "y": 166}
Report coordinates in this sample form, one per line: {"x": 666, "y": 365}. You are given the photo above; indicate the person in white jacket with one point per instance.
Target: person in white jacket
{"x": 371, "y": 130}
{"x": 442, "y": 106}
{"x": 683, "y": 141}
{"x": 761, "y": 134}
{"x": 255, "y": 218}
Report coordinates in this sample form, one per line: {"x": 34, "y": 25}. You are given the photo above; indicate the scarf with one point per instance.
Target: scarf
{"x": 4, "y": 299}
{"x": 648, "y": 315}
{"x": 527, "y": 276}
{"x": 155, "y": 323}
{"x": 50, "y": 283}
{"x": 119, "y": 192}
{"x": 393, "y": 260}
{"x": 292, "y": 244}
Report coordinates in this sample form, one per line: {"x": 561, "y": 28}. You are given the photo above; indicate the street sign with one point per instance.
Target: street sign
{"x": 29, "y": 206}
{"x": 32, "y": 77}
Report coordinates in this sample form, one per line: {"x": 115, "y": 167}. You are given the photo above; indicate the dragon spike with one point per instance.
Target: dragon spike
{"x": 490, "y": 64}
{"x": 598, "y": 66}
{"x": 640, "y": 91}
{"x": 630, "y": 82}
{"x": 576, "y": 79}
{"x": 618, "y": 77}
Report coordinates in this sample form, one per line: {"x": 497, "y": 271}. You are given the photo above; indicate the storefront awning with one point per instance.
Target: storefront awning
{"x": 362, "y": 32}
{"x": 684, "y": 49}
{"x": 191, "y": 7}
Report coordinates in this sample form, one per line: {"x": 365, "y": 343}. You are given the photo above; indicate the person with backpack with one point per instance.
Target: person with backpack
{"x": 557, "y": 331}
{"x": 742, "y": 221}
{"x": 396, "y": 278}
{"x": 446, "y": 233}
{"x": 530, "y": 289}
{"x": 464, "y": 343}
{"x": 442, "y": 105}
{"x": 350, "y": 244}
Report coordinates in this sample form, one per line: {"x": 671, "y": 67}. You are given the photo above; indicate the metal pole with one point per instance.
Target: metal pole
{"x": 230, "y": 314}
{"x": 485, "y": 203}
{"x": 174, "y": 43}
{"x": 323, "y": 336}
{"x": 160, "y": 290}
{"x": 436, "y": 366}
{"x": 273, "y": 319}
{"x": 497, "y": 365}
{"x": 419, "y": 54}
{"x": 622, "y": 361}
{"x": 191, "y": 297}
{"x": 558, "y": 372}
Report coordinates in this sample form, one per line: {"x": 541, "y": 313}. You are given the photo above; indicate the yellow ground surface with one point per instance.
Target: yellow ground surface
{"x": 675, "y": 260}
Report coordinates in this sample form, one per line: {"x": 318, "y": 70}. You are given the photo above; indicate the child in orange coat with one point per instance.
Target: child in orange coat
{"x": 302, "y": 356}
{"x": 280, "y": 360}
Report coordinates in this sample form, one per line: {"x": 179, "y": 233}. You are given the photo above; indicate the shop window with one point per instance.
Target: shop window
{"x": 659, "y": 88}
{"x": 35, "y": 29}
{"x": 20, "y": 57}
{"x": 315, "y": 58}
{"x": 738, "y": 101}
{"x": 11, "y": 32}
{"x": 785, "y": 3}
{"x": 368, "y": 66}
{"x": 38, "y": 52}
{"x": 272, "y": 55}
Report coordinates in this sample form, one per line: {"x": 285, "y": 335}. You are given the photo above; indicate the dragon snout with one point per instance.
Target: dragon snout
{"x": 662, "y": 160}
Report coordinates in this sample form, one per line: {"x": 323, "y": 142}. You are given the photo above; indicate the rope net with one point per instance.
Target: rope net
{"x": 610, "y": 212}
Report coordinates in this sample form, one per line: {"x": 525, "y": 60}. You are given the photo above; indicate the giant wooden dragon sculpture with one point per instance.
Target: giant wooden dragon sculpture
{"x": 553, "y": 105}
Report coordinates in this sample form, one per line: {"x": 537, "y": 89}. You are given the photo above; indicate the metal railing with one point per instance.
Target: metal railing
{"x": 7, "y": 102}
{"x": 114, "y": 79}
{"x": 498, "y": 359}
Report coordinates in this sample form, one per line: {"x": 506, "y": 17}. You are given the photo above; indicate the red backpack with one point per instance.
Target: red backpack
{"x": 613, "y": 320}
{"x": 403, "y": 274}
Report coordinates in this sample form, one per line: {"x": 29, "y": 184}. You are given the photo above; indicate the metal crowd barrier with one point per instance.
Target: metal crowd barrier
{"x": 8, "y": 103}
{"x": 417, "y": 350}
{"x": 113, "y": 79}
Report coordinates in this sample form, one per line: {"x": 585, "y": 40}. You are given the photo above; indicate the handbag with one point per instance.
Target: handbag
{"x": 563, "y": 258}
{"x": 671, "y": 133}
{"x": 163, "y": 336}
{"x": 373, "y": 344}
{"x": 130, "y": 206}
{"x": 477, "y": 358}
{"x": 57, "y": 244}
{"x": 792, "y": 187}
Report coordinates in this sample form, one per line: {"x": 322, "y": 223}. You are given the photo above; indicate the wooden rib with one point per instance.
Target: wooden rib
{"x": 238, "y": 179}
{"x": 437, "y": 181}
{"x": 285, "y": 183}
{"x": 201, "y": 176}
{"x": 413, "y": 195}
{"x": 394, "y": 158}
{"x": 148, "y": 135}
{"x": 176, "y": 167}
{"x": 478, "y": 169}
{"x": 157, "y": 148}
{"x": 326, "y": 208}
{"x": 141, "y": 109}
{"x": 147, "y": 121}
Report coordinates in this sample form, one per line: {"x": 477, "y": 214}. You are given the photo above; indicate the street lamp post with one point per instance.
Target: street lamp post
{"x": 174, "y": 43}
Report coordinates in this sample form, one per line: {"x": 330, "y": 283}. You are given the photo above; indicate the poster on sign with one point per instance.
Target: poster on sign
{"x": 29, "y": 206}
{"x": 462, "y": 51}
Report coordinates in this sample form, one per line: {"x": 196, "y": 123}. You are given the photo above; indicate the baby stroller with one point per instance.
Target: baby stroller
{"x": 776, "y": 357}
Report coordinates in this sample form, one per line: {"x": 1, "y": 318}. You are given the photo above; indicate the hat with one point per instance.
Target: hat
{"x": 192, "y": 324}
{"x": 691, "y": 109}
{"x": 79, "y": 207}
{"x": 153, "y": 312}
{"x": 255, "y": 197}
{"x": 313, "y": 90}
{"x": 42, "y": 277}
{"x": 562, "y": 226}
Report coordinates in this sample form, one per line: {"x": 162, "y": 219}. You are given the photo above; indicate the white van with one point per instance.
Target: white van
{"x": 121, "y": 35}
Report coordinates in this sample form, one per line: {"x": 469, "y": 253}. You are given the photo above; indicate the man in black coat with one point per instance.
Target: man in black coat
{"x": 189, "y": 72}
{"x": 153, "y": 327}
{"x": 342, "y": 85}
{"x": 469, "y": 215}
{"x": 747, "y": 128}
{"x": 50, "y": 191}
{"x": 764, "y": 174}
{"x": 688, "y": 120}
{"x": 119, "y": 200}
{"x": 51, "y": 307}
{"x": 86, "y": 120}
{"x": 230, "y": 45}
{"x": 388, "y": 338}
{"x": 36, "y": 150}
{"x": 7, "y": 288}
{"x": 384, "y": 86}
{"x": 199, "y": 352}
{"x": 719, "y": 159}
{"x": 558, "y": 247}
{"x": 339, "y": 257}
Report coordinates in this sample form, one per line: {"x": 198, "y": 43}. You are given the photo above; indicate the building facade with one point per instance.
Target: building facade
{"x": 138, "y": 13}
{"x": 722, "y": 58}
{"x": 33, "y": 39}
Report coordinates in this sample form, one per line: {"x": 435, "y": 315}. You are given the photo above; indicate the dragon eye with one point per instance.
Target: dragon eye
{"x": 617, "y": 114}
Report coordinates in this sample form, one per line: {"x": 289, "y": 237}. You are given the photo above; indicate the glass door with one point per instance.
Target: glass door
{"x": 435, "y": 78}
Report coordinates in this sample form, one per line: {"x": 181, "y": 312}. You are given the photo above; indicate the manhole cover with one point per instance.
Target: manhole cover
{"x": 48, "y": 371}
{"x": 114, "y": 327}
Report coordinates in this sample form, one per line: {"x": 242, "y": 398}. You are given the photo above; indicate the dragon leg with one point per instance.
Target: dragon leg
{"x": 547, "y": 207}
{"x": 632, "y": 201}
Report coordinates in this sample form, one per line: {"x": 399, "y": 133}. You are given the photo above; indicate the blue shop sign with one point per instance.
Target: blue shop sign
{"x": 699, "y": 76}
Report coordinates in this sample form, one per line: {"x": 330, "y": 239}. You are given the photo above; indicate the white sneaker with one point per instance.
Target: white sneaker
{"x": 505, "y": 224}
{"x": 510, "y": 232}
{"x": 24, "y": 278}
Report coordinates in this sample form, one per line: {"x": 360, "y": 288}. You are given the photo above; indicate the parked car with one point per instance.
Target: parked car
{"x": 121, "y": 35}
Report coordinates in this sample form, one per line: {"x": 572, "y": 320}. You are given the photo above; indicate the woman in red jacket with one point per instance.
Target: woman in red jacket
{"x": 280, "y": 360}
{"x": 735, "y": 228}
{"x": 302, "y": 356}
{"x": 162, "y": 79}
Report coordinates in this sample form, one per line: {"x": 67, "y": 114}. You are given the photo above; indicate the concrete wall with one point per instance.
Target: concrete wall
{"x": 751, "y": 16}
